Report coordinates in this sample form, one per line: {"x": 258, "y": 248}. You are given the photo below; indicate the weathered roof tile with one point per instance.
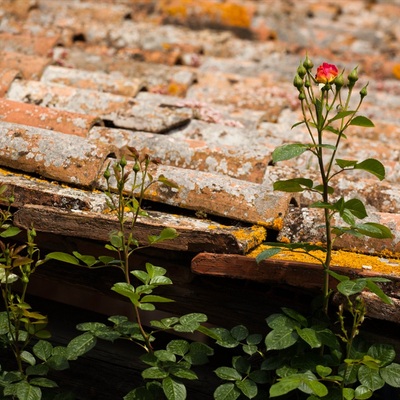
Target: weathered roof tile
{"x": 114, "y": 83}
{"x": 56, "y": 156}
{"x": 31, "y": 66}
{"x": 46, "y": 118}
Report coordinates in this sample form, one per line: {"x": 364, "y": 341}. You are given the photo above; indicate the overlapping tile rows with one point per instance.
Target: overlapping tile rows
{"x": 206, "y": 87}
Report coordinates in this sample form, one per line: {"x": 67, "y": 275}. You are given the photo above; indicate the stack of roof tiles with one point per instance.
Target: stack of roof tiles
{"x": 203, "y": 85}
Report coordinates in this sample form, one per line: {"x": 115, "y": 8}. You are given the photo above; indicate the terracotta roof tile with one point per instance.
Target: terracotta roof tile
{"x": 56, "y": 156}
{"x": 114, "y": 83}
{"x": 28, "y": 44}
{"x": 46, "y": 118}
{"x": 31, "y": 66}
{"x": 7, "y": 76}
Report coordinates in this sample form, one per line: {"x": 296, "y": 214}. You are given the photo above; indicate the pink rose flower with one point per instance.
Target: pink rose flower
{"x": 326, "y": 73}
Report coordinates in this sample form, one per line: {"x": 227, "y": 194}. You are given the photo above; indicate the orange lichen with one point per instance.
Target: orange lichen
{"x": 277, "y": 224}
{"x": 340, "y": 258}
{"x": 177, "y": 89}
{"x": 229, "y": 14}
{"x": 396, "y": 71}
{"x": 255, "y": 233}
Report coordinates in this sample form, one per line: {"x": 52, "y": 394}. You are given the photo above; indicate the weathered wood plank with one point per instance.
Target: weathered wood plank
{"x": 195, "y": 235}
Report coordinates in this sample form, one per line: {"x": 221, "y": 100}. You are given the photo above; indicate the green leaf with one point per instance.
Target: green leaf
{"x": 10, "y": 231}
{"x": 372, "y": 166}
{"x": 227, "y": 391}
{"x": 38, "y": 369}
{"x": 356, "y": 207}
{"x": 165, "y": 355}
{"x": 25, "y": 391}
{"x": 43, "y": 382}
{"x": 228, "y": 374}
{"x": 374, "y": 230}
{"x": 362, "y": 121}
{"x": 80, "y": 345}
{"x": 338, "y": 277}
{"x": 239, "y": 332}
{"x": 284, "y": 386}
{"x": 281, "y": 322}
{"x": 154, "y": 373}
{"x": 183, "y": 373}
{"x": 317, "y": 387}
{"x": 293, "y": 185}
{"x": 64, "y": 257}
{"x": 323, "y": 371}
{"x": 341, "y": 115}
{"x": 178, "y": 347}
{"x": 267, "y": 254}
{"x": 345, "y": 163}
{"x": 348, "y": 393}
{"x": 190, "y": 322}
{"x": 155, "y": 299}
{"x": 198, "y": 353}
{"x": 385, "y": 353}
{"x": 310, "y": 337}
{"x": 295, "y": 315}
{"x": 28, "y": 357}
{"x": 248, "y": 388}
{"x": 288, "y": 151}
{"x": 282, "y": 339}
{"x": 391, "y": 374}
{"x": 225, "y": 338}
{"x": 370, "y": 378}
{"x": 259, "y": 376}
{"x": 43, "y": 349}
{"x": 351, "y": 287}
{"x": 374, "y": 288}
{"x": 58, "y": 362}
{"x": 173, "y": 390}
{"x": 127, "y": 290}
{"x": 362, "y": 392}
{"x": 86, "y": 259}
{"x": 166, "y": 234}
{"x": 241, "y": 364}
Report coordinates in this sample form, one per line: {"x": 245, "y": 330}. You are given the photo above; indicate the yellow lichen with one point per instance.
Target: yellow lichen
{"x": 387, "y": 265}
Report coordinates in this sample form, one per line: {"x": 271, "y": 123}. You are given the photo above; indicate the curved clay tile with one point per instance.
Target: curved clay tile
{"x": 65, "y": 158}
{"x": 7, "y": 76}
{"x": 245, "y": 164}
{"x": 30, "y": 66}
{"x": 46, "y": 118}
{"x": 218, "y": 195}
{"x": 28, "y": 44}
{"x": 112, "y": 83}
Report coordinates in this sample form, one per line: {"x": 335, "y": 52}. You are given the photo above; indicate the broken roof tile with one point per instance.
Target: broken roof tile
{"x": 46, "y": 118}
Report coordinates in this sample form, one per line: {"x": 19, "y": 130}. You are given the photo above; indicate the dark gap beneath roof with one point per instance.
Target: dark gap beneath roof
{"x": 149, "y": 205}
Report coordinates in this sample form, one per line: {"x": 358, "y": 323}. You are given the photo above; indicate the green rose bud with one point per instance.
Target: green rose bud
{"x": 301, "y": 71}
{"x": 339, "y": 81}
{"x": 136, "y": 167}
{"x": 302, "y": 95}
{"x": 107, "y": 173}
{"x": 298, "y": 82}
{"x": 123, "y": 162}
{"x": 353, "y": 77}
{"x": 363, "y": 91}
{"x": 307, "y": 83}
{"x": 308, "y": 64}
